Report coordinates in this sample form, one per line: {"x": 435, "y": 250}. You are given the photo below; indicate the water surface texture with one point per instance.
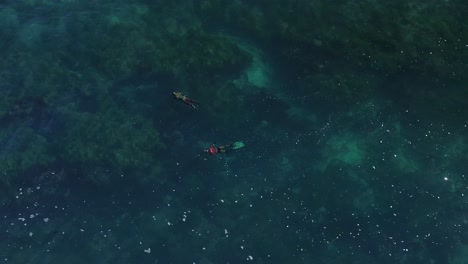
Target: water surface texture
{"x": 354, "y": 116}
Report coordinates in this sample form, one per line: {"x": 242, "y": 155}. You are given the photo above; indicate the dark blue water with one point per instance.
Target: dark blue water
{"x": 353, "y": 116}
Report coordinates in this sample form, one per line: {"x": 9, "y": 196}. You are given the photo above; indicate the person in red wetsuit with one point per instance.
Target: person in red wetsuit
{"x": 180, "y": 96}
{"x": 213, "y": 150}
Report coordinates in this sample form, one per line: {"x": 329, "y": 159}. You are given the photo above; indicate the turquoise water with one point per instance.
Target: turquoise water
{"x": 353, "y": 115}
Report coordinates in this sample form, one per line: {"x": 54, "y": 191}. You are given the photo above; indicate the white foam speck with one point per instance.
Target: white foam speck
{"x": 148, "y": 250}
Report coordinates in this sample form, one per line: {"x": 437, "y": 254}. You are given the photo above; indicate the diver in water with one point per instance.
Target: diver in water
{"x": 180, "y": 96}
{"x": 213, "y": 150}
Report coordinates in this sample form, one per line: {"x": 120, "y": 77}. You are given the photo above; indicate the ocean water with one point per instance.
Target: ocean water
{"x": 353, "y": 115}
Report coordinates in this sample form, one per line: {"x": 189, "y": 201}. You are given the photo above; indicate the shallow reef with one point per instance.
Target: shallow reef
{"x": 353, "y": 116}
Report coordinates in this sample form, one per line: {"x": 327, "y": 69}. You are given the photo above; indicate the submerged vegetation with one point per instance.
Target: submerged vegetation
{"x": 349, "y": 109}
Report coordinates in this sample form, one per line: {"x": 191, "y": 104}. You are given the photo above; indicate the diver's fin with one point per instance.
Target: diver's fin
{"x": 238, "y": 145}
